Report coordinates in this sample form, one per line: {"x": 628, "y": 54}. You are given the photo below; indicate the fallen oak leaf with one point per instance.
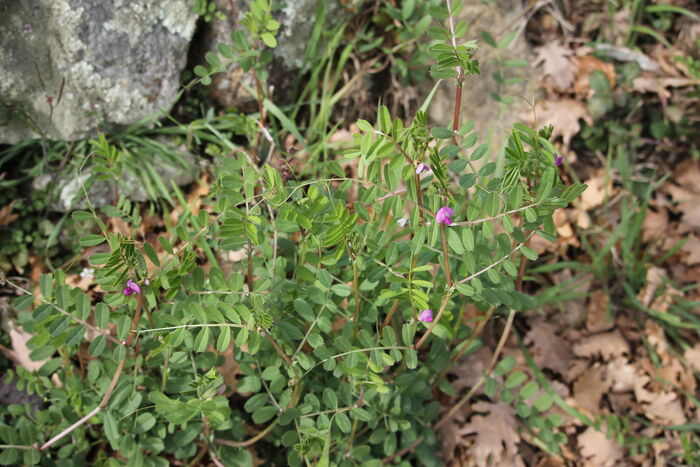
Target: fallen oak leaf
{"x": 6, "y": 216}
{"x": 666, "y": 409}
{"x": 607, "y": 344}
{"x": 563, "y": 115}
{"x": 589, "y": 389}
{"x": 599, "y": 187}
{"x": 549, "y": 350}
{"x": 20, "y": 353}
{"x": 554, "y": 58}
{"x": 497, "y": 436}
{"x": 597, "y": 449}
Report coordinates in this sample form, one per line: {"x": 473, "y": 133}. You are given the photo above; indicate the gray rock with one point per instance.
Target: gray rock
{"x": 98, "y": 62}
{"x": 493, "y": 120}
{"x": 72, "y": 195}
{"x": 9, "y": 394}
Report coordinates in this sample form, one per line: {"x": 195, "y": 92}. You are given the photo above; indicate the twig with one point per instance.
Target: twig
{"x": 262, "y": 434}
{"x": 453, "y": 411}
{"x": 112, "y": 384}
{"x": 448, "y": 293}
{"x": 443, "y": 306}
{"x": 446, "y": 255}
{"x": 248, "y": 442}
{"x": 498, "y": 216}
{"x": 279, "y": 350}
{"x": 389, "y": 315}
{"x": 494, "y": 358}
{"x": 356, "y": 293}
{"x": 459, "y": 81}
{"x": 478, "y": 273}
{"x": 64, "y": 312}
{"x": 95, "y": 411}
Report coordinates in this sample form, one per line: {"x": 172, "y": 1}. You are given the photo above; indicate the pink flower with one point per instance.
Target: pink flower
{"x": 131, "y": 287}
{"x": 444, "y": 215}
{"x": 426, "y": 316}
{"x": 558, "y": 160}
{"x": 421, "y": 167}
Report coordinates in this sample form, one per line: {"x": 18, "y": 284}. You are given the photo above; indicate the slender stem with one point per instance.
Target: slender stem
{"x": 274, "y": 242}
{"x": 166, "y": 371}
{"x": 64, "y": 312}
{"x": 355, "y": 422}
{"x": 192, "y": 326}
{"x": 477, "y": 332}
{"x": 443, "y": 306}
{"x": 250, "y": 441}
{"x": 488, "y": 219}
{"x": 249, "y": 275}
{"x": 279, "y": 350}
{"x": 135, "y": 322}
{"x": 494, "y": 358}
{"x": 390, "y": 315}
{"x": 478, "y": 273}
{"x": 446, "y": 255}
{"x": 453, "y": 411}
{"x": 419, "y": 197}
{"x": 262, "y": 434}
{"x": 356, "y": 294}
{"x": 95, "y": 411}
{"x": 17, "y": 446}
{"x": 459, "y": 81}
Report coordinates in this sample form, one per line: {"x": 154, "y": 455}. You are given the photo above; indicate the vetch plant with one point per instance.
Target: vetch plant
{"x": 321, "y": 343}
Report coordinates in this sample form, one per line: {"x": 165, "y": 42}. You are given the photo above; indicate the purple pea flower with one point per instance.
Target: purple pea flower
{"x": 426, "y": 316}
{"x": 421, "y": 167}
{"x": 131, "y": 287}
{"x": 444, "y": 215}
{"x": 558, "y": 160}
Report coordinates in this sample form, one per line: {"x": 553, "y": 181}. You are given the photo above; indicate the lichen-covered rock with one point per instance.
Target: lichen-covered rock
{"x": 72, "y": 187}
{"x": 67, "y": 66}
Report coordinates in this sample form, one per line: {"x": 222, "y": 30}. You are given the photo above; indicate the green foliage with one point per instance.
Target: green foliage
{"x": 322, "y": 314}
{"x": 260, "y": 29}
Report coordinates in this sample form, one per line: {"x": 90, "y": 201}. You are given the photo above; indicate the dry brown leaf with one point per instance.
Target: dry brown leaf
{"x": 551, "y": 461}
{"x": 583, "y": 220}
{"x": 597, "y": 450}
{"x": 451, "y": 440}
{"x": 586, "y": 65}
{"x": 623, "y": 376}
{"x": 650, "y": 83}
{"x": 19, "y": 353}
{"x": 589, "y": 389}
{"x": 548, "y": 349}
{"x": 608, "y": 345}
{"x": 687, "y": 175}
{"x": 562, "y": 224}
{"x": 693, "y": 357}
{"x": 497, "y": 436}
{"x": 665, "y": 408}
{"x": 556, "y": 63}
{"x": 692, "y": 250}
{"x": 597, "y": 319}
{"x": 655, "y": 279}
{"x": 470, "y": 368}
{"x": 655, "y": 225}
{"x": 564, "y": 115}
{"x": 6, "y": 216}
{"x": 656, "y": 337}
{"x": 599, "y": 185}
